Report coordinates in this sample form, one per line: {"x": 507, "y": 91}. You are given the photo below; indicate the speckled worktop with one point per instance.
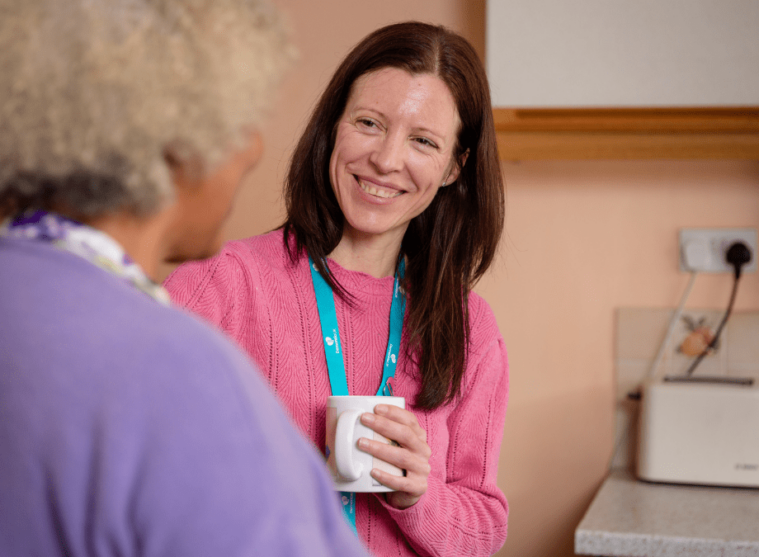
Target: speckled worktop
{"x": 638, "y": 519}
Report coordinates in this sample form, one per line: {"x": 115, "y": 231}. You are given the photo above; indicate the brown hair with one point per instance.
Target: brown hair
{"x": 452, "y": 243}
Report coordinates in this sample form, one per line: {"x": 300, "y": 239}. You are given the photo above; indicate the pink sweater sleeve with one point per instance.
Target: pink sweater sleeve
{"x": 212, "y": 288}
{"x": 466, "y": 514}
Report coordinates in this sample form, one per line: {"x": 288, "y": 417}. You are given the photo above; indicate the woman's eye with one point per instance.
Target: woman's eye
{"x": 367, "y": 123}
{"x": 426, "y": 142}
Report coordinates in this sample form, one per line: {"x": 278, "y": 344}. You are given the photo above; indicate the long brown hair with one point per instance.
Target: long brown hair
{"x": 453, "y": 242}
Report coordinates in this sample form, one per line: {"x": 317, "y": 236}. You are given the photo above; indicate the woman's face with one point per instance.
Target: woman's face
{"x": 393, "y": 150}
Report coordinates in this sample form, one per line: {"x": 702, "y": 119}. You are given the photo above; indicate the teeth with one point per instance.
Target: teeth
{"x": 371, "y": 190}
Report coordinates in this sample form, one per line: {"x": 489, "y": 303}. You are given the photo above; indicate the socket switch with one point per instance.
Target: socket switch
{"x": 704, "y": 249}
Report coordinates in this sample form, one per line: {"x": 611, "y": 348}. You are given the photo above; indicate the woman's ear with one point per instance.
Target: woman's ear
{"x": 184, "y": 162}
{"x": 453, "y": 175}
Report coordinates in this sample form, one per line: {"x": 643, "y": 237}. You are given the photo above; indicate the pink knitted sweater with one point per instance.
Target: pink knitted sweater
{"x": 253, "y": 292}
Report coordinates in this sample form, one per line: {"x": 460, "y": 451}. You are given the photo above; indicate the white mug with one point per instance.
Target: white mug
{"x": 349, "y": 466}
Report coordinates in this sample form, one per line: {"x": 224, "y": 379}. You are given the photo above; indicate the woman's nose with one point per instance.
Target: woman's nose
{"x": 388, "y": 154}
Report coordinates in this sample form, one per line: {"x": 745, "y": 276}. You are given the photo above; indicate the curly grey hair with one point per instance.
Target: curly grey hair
{"x": 92, "y": 92}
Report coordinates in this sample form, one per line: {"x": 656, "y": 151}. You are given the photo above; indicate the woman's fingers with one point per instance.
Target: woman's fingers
{"x": 397, "y": 456}
{"x": 401, "y": 416}
{"x": 413, "y": 487}
{"x": 411, "y": 453}
{"x": 399, "y": 425}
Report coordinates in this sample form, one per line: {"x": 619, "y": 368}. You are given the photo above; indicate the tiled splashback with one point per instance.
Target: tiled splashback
{"x": 639, "y": 333}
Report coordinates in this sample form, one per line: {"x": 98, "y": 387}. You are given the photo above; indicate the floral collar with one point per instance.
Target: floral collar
{"x": 88, "y": 243}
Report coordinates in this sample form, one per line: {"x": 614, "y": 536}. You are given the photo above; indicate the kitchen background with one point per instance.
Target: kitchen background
{"x": 582, "y": 239}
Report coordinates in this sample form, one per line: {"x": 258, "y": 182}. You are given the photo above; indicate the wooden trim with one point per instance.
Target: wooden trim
{"x": 628, "y": 133}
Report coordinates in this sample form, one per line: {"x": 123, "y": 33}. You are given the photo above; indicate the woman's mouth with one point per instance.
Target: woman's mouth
{"x": 377, "y": 192}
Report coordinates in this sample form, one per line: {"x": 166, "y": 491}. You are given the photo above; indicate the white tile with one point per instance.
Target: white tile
{"x": 743, "y": 328}
{"x": 625, "y": 434}
{"x": 691, "y": 319}
{"x": 630, "y": 376}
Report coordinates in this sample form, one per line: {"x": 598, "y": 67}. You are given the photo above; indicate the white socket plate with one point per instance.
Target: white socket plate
{"x": 704, "y": 249}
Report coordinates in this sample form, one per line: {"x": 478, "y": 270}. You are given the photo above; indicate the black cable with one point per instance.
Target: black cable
{"x": 713, "y": 343}
{"x": 737, "y": 256}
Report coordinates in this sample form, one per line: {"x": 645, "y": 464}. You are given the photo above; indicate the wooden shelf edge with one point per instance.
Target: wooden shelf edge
{"x": 628, "y": 133}
{"x": 577, "y": 146}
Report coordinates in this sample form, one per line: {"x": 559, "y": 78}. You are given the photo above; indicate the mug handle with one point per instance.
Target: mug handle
{"x": 346, "y": 424}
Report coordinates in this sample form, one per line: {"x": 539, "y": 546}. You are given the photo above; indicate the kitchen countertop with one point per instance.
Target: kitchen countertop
{"x": 640, "y": 519}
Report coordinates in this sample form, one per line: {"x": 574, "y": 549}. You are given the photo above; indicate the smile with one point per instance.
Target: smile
{"x": 371, "y": 190}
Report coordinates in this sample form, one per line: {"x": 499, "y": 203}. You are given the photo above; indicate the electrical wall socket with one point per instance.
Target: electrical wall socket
{"x": 704, "y": 249}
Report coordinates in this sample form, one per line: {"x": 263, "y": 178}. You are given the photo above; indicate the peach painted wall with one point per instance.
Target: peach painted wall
{"x": 582, "y": 238}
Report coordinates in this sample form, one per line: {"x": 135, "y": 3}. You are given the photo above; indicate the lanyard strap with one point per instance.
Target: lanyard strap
{"x": 325, "y": 303}
{"x": 397, "y": 311}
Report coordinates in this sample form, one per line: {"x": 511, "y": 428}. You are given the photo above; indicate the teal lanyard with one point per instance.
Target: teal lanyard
{"x": 325, "y": 303}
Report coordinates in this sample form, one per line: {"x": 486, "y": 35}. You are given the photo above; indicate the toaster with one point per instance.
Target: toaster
{"x": 699, "y": 430}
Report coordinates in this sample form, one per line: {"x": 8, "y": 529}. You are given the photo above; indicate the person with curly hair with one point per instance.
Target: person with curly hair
{"x": 127, "y": 427}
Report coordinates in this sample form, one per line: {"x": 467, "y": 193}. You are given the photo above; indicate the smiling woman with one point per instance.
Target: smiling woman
{"x": 395, "y": 182}
{"x": 393, "y": 150}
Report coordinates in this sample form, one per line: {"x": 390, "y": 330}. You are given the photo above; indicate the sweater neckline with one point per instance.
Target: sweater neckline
{"x": 354, "y": 282}
{"x": 358, "y": 281}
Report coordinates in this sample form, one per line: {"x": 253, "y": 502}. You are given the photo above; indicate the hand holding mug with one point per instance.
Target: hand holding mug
{"x": 349, "y": 465}
{"x": 411, "y": 453}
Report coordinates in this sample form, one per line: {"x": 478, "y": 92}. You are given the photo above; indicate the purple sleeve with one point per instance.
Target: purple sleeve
{"x": 230, "y": 475}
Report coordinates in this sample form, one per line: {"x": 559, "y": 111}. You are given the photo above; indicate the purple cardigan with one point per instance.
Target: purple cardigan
{"x": 128, "y": 428}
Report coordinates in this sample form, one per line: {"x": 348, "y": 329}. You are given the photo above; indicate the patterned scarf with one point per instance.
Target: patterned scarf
{"x": 88, "y": 243}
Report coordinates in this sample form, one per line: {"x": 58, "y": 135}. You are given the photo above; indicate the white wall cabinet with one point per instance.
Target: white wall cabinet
{"x": 625, "y": 78}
